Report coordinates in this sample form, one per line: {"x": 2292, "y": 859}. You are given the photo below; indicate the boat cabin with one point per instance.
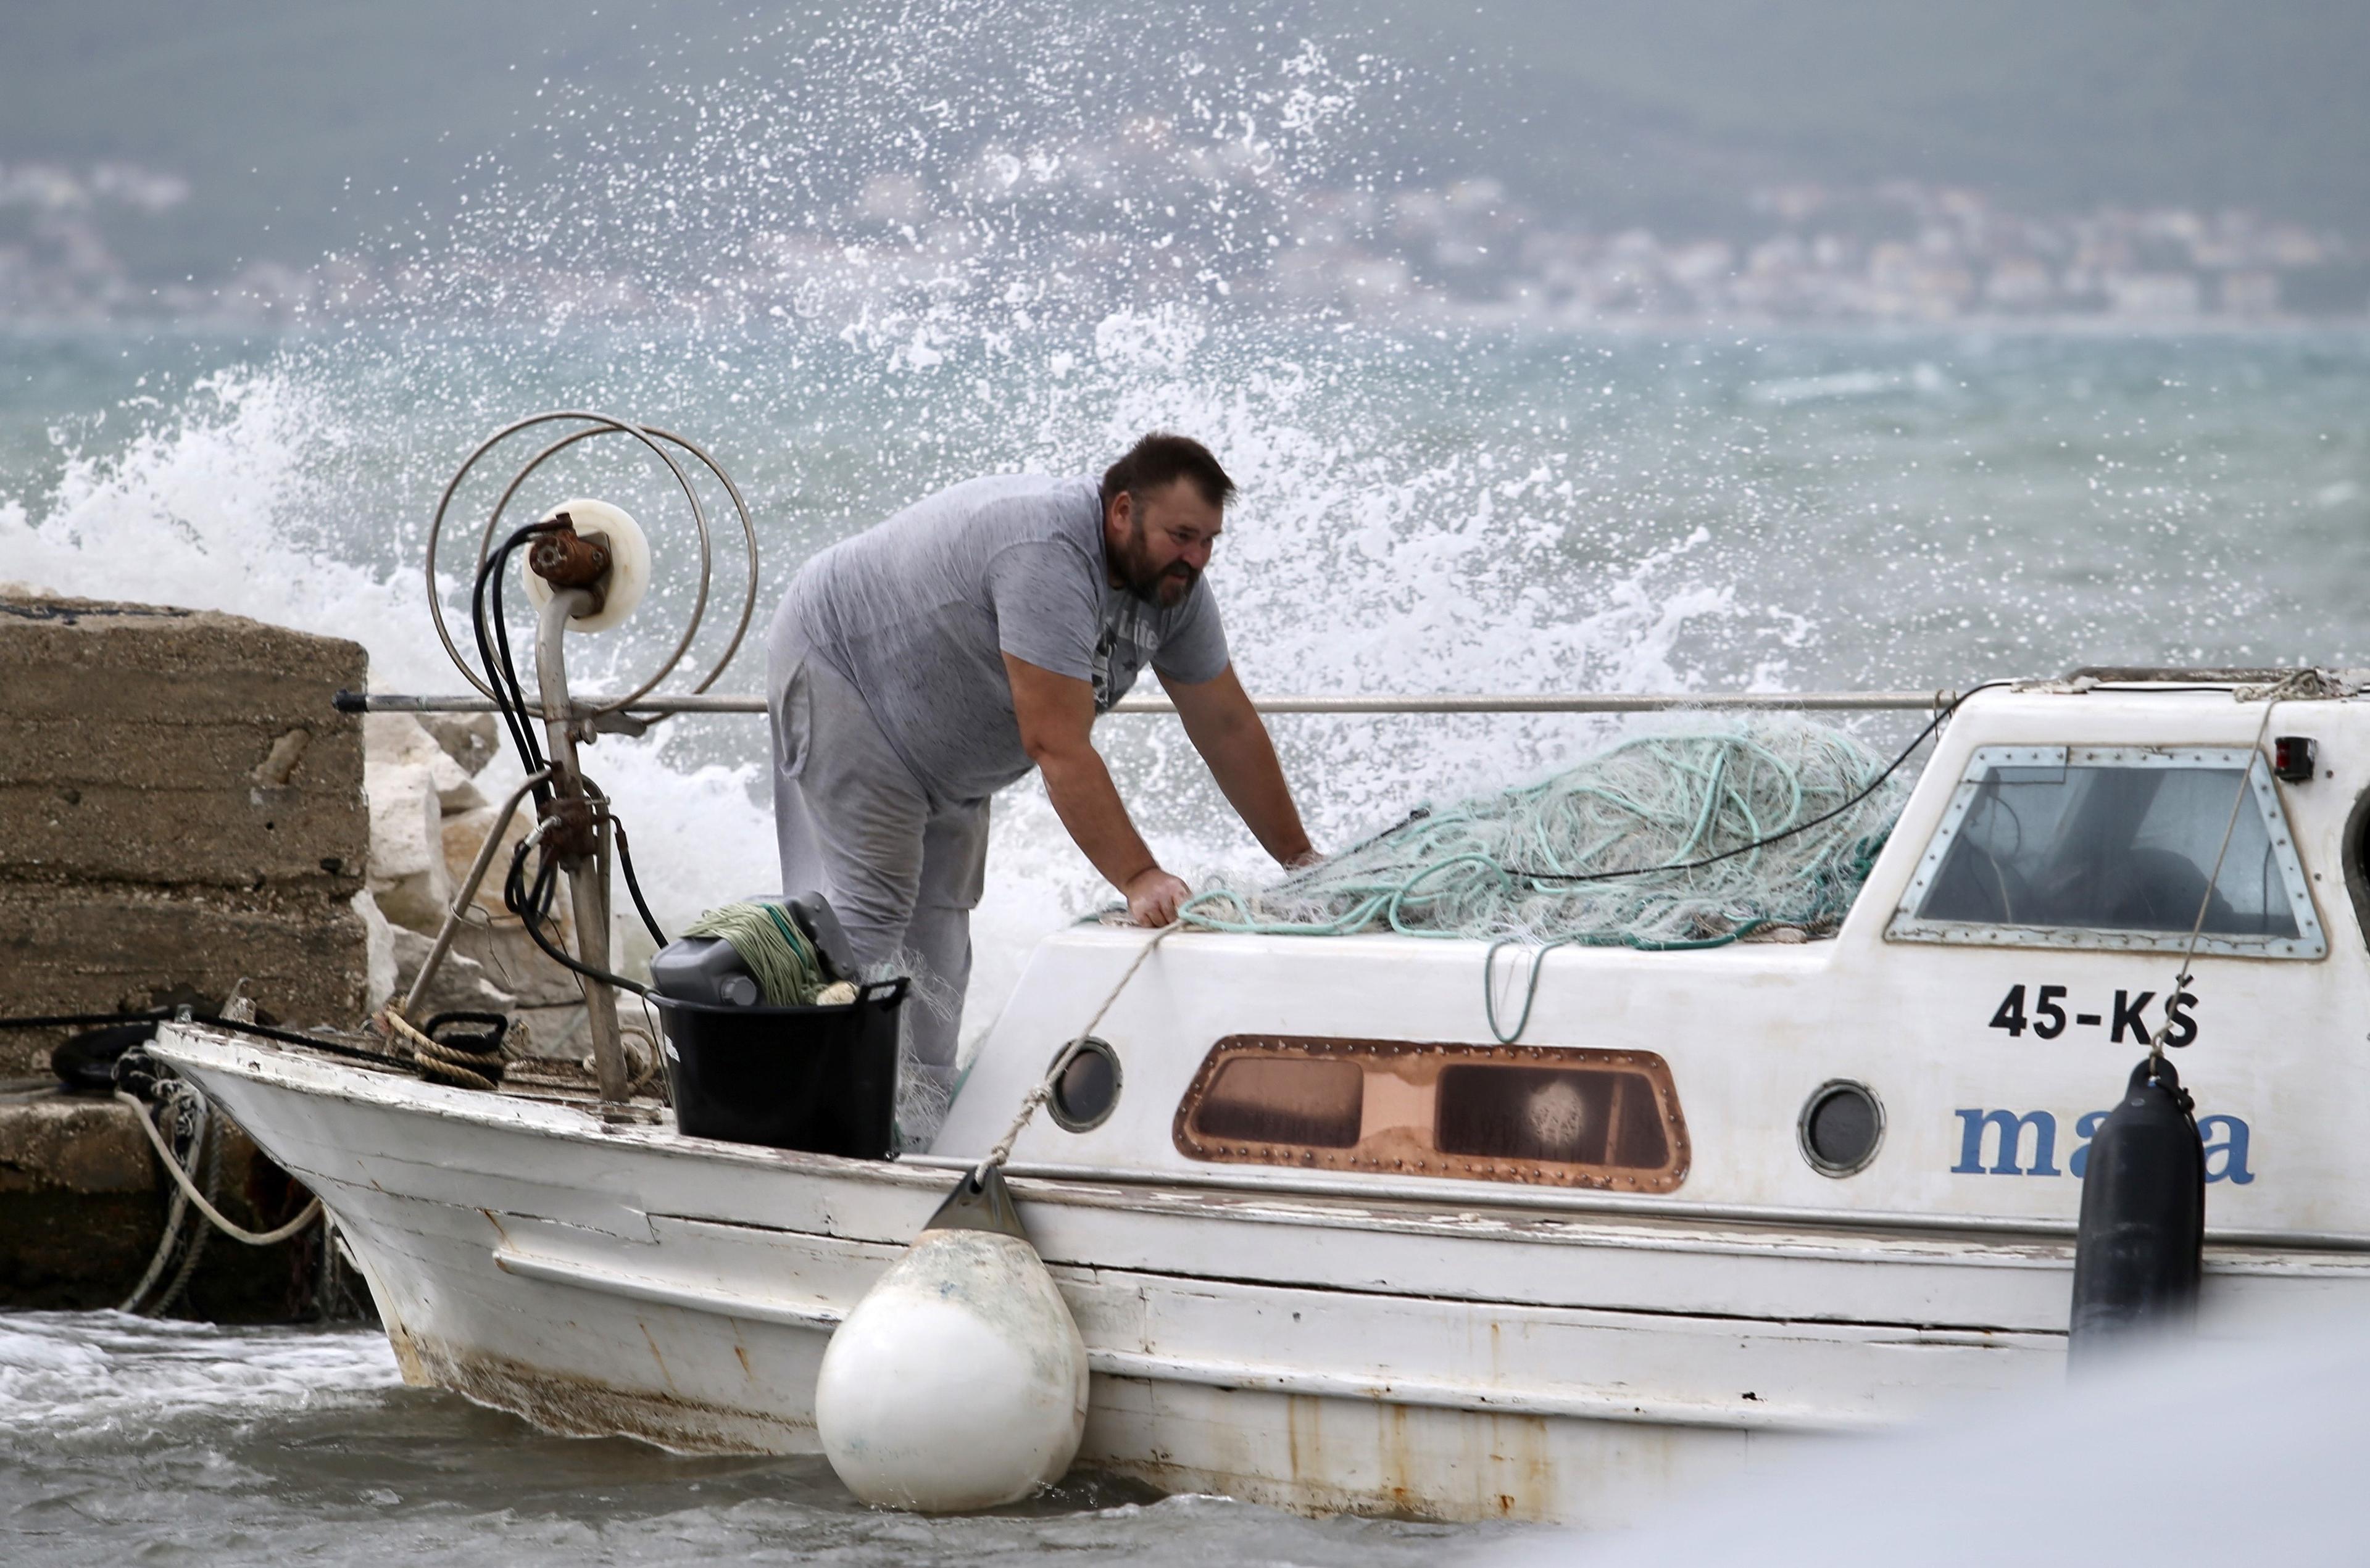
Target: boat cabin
{"x": 1950, "y": 1050}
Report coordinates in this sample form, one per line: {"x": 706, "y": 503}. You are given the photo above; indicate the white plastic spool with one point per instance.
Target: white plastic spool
{"x": 629, "y": 563}
{"x": 959, "y": 1381}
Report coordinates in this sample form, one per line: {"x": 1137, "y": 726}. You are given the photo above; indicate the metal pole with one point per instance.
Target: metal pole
{"x": 1522, "y": 703}
{"x": 478, "y": 868}
{"x": 587, "y": 898}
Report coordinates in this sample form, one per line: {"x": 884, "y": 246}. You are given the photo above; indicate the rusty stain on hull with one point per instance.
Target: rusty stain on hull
{"x": 1397, "y": 1467}
{"x": 579, "y": 1407}
{"x": 656, "y": 1356}
{"x": 1397, "y": 1464}
{"x": 407, "y": 1360}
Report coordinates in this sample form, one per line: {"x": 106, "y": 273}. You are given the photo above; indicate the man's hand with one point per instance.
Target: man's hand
{"x": 1152, "y": 895}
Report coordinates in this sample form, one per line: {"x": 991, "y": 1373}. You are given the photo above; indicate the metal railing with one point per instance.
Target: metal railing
{"x": 1445, "y": 703}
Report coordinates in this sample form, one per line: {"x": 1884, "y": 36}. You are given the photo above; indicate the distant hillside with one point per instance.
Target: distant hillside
{"x": 2061, "y": 104}
{"x": 301, "y": 125}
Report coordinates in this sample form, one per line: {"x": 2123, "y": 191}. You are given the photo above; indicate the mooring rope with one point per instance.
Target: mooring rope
{"x": 193, "y": 1113}
{"x": 440, "y": 1062}
{"x": 2302, "y": 683}
{"x": 176, "y": 1288}
{"x": 236, "y": 1232}
{"x": 1044, "y": 1088}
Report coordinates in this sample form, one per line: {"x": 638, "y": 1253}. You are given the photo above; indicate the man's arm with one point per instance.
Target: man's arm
{"x": 1057, "y": 714}
{"x": 1227, "y": 731}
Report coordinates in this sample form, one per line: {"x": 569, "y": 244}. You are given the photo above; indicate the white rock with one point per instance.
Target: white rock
{"x": 494, "y": 936}
{"x": 958, "y": 1383}
{"x": 378, "y": 951}
{"x": 461, "y": 984}
{"x": 400, "y": 740}
{"x": 407, "y": 847}
{"x": 470, "y": 739}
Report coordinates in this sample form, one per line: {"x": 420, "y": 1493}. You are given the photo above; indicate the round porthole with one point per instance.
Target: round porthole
{"x": 1088, "y": 1090}
{"x": 1840, "y": 1126}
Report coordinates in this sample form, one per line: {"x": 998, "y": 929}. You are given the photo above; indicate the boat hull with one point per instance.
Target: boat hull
{"x": 1314, "y": 1354}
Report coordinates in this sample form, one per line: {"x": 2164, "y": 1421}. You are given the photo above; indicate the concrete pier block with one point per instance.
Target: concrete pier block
{"x": 73, "y": 1143}
{"x": 181, "y": 813}
{"x": 180, "y": 808}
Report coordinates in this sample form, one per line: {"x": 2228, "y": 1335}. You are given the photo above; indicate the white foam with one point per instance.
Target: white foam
{"x": 1369, "y": 551}
{"x": 207, "y": 508}
{"x": 64, "y": 1375}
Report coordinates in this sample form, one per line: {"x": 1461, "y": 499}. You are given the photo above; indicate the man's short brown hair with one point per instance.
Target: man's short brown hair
{"x": 1161, "y": 458}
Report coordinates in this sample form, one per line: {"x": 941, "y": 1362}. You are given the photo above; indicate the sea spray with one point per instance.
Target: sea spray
{"x": 856, "y": 279}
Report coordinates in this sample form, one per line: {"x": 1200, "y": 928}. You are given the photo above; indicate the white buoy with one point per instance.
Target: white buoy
{"x": 959, "y": 1381}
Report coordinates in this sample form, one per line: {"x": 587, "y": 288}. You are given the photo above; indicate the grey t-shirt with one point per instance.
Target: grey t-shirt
{"x": 917, "y": 613}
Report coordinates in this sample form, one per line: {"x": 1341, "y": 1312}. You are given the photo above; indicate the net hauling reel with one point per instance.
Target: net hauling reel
{"x": 586, "y": 566}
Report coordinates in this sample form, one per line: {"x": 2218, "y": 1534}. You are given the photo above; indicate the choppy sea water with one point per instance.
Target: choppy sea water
{"x": 1422, "y": 511}
{"x": 123, "y": 1440}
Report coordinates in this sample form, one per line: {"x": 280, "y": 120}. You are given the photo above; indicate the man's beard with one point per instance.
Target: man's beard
{"x": 1164, "y": 586}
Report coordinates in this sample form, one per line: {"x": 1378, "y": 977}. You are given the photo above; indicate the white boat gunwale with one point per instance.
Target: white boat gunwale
{"x": 1116, "y": 1363}
{"x": 1349, "y": 1201}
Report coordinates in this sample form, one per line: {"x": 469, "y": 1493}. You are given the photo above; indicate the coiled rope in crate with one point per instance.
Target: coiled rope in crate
{"x": 789, "y": 971}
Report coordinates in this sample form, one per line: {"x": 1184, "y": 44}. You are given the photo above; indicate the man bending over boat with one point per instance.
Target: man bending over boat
{"x": 917, "y": 667}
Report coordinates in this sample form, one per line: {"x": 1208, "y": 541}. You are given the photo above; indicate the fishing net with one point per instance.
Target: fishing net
{"x": 1687, "y": 813}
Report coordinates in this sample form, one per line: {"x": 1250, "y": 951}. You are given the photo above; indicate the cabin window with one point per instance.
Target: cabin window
{"x": 2113, "y": 847}
{"x": 1084, "y": 1097}
{"x": 1282, "y": 1099}
{"x": 2357, "y": 863}
{"x": 1534, "y": 1114}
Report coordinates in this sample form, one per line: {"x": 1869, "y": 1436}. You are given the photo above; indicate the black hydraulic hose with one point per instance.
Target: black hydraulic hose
{"x": 1891, "y": 768}
{"x": 486, "y": 658}
{"x": 492, "y": 630}
{"x": 291, "y": 1038}
{"x": 494, "y": 651}
{"x": 625, "y": 856}
{"x": 87, "y": 1020}
{"x": 532, "y": 905}
{"x": 522, "y": 737}
{"x": 509, "y": 675}
{"x": 172, "y": 1015}
{"x": 633, "y": 882}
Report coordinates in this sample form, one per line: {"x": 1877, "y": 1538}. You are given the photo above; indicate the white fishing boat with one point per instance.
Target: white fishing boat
{"x": 1334, "y": 1241}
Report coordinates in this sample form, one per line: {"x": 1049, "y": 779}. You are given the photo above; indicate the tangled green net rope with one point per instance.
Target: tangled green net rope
{"x": 1493, "y": 867}
{"x": 788, "y": 970}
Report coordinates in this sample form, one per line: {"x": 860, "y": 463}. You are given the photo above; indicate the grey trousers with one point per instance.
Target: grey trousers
{"x": 902, "y": 872}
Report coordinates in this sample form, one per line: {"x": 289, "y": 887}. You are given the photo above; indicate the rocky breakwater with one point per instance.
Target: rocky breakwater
{"x": 434, "y": 797}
